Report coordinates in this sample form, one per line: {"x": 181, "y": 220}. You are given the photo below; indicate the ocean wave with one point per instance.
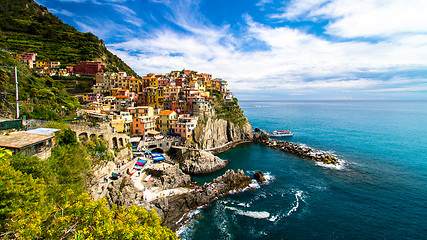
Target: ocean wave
{"x": 298, "y": 197}
{"x": 340, "y": 166}
{"x": 254, "y": 184}
{"x": 185, "y": 230}
{"x": 252, "y": 214}
{"x": 267, "y": 175}
{"x": 232, "y": 202}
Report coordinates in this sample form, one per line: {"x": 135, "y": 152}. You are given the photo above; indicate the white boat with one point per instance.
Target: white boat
{"x": 281, "y": 133}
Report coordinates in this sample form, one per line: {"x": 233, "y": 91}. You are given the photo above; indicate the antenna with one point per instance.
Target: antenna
{"x": 17, "y": 103}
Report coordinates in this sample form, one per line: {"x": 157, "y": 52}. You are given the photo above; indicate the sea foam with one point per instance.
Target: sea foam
{"x": 252, "y": 214}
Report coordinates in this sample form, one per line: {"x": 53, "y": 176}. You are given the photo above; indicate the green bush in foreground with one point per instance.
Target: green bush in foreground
{"x": 27, "y": 211}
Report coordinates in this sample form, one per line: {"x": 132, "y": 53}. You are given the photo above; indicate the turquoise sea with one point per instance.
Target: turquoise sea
{"x": 381, "y": 193}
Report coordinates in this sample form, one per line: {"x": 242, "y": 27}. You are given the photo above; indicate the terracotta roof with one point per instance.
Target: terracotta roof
{"x": 22, "y": 139}
{"x": 166, "y": 112}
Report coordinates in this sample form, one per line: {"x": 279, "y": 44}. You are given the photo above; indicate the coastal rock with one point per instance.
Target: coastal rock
{"x": 260, "y": 136}
{"x": 201, "y": 162}
{"x": 259, "y": 176}
{"x": 99, "y": 171}
{"x": 212, "y": 132}
{"x": 173, "y": 208}
{"x": 169, "y": 178}
{"x": 123, "y": 193}
{"x": 301, "y": 151}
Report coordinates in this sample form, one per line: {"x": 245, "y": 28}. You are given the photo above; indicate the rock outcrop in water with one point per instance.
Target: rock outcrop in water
{"x": 173, "y": 208}
{"x": 259, "y": 176}
{"x": 201, "y": 162}
{"x": 212, "y": 132}
{"x": 301, "y": 151}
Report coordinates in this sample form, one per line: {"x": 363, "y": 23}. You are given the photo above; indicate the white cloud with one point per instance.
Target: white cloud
{"x": 296, "y": 9}
{"x": 128, "y": 15}
{"x": 62, "y": 12}
{"x": 294, "y": 62}
{"x": 362, "y": 18}
{"x": 98, "y": 27}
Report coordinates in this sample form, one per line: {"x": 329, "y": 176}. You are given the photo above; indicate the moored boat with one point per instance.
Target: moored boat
{"x": 281, "y": 133}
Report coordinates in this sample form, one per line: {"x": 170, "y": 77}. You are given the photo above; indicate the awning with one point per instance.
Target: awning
{"x": 158, "y": 159}
{"x": 153, "y": 132}
{"x": 137, "y": 167}
{"x": 174, "y": 134}
{"x": 142, "y": 161}
{"x": 139, "y": 163}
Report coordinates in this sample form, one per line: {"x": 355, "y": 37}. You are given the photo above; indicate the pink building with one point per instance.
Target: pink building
{"x": 185, "y": 125}
{"x": 142, "y": 125}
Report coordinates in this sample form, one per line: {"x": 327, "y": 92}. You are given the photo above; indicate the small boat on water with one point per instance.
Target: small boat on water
{"x": 281, "y": 133}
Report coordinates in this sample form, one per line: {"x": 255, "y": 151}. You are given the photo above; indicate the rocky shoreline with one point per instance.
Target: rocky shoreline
{"x": 293, "y": 148}
{"x": 173, "y": 208}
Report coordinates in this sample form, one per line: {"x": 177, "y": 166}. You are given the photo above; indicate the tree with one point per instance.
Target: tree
{"x": 23, "y": 204}
{"x": 66, "y": 137}
{"x": 27, "y": 212}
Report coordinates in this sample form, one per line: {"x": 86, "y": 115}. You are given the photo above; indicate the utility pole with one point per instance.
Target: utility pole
{"x": 17, "y": 96}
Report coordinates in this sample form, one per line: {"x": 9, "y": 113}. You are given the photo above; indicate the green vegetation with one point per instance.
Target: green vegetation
{"x": 46, "y": 199}
{"x": 39, "y": 97}
{"x": 26, "y": 26}
{"x": 229, "y": 111}
{"x": 75, "y": 84}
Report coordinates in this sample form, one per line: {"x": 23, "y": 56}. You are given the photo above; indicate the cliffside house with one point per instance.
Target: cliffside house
{"x": 142, "y": 125}
{"x": 37, "y": 142}
{"x": 141, "y": 111}
{"x": 185, "y": 125}
{"x": 166, "y": 121}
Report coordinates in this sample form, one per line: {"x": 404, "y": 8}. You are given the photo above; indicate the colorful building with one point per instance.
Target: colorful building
{"x": 185, "y": 125}
{"x": 89, "y": 67}
{"x": 142, "y": 125}
{"x": 166, "y": 121}
{"x": 141, "y": 111}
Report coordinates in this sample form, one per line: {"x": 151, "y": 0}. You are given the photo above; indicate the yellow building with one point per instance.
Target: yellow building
{"x": 154, "y": 82}
{"x": 132, "y": 84}
{"x": 166, "y": 121}
{"x": 159, "y": 98}
{"x": 201, "y": 86}
{"x": 118, "y": 124}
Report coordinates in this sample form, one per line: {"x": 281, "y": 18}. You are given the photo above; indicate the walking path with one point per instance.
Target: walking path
{"x": 102, "y": 188}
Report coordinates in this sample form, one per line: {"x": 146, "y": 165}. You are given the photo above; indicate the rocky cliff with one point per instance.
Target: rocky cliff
{"x": 170, "y": 178}
{"x": 174, "y": 207}
{"x": 201, "y": 162}
{"x": 123, "y": 193}
{"x": 213, "y": 132}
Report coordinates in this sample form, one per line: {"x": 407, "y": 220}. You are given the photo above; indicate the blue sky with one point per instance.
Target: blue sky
{"x": 269, "y": 49}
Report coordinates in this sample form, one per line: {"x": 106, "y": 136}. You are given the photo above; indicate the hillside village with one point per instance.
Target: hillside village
{"x": 155, "y": 105}
{"x": 79, "y": 126}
